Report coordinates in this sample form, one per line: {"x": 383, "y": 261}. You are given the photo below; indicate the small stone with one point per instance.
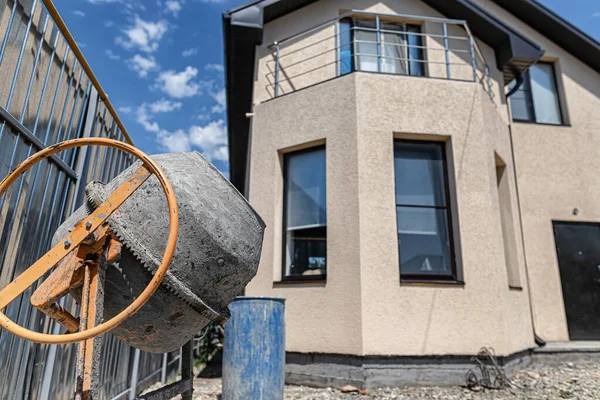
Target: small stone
{"x": 349, "y": 389}
{"x": 532, "y": 375}
{"x": 565, "y": 394}
{"x": 570, "y": 365}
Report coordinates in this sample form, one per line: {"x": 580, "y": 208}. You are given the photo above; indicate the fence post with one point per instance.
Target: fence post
{"x": 134, "y": 375}
{"x": 473, "y": 62}
{"x": 163, "y": 374}
{"x": 446, "y": 48}
{"x": 379, "y": 54}
{"x": 187, "y": 370}
{"x": 277, "y": 69}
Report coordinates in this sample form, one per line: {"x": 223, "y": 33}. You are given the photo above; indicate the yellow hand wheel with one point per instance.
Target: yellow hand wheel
{"x": 94, "y": 222}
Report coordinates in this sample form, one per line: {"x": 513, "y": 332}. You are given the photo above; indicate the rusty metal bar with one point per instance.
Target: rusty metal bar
{"x": 169, "y": 391}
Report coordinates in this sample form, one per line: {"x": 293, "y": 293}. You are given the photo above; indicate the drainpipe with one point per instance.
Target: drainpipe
{"x": 519, "y": 81}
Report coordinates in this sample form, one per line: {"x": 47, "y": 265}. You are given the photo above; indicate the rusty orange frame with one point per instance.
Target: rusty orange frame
{"x": 96, "y": 220}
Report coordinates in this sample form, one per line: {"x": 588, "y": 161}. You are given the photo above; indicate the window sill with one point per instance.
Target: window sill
{"x": 524, "y": 121}
{"x": 301, "y": 282}
{"x": 434, "y": 283}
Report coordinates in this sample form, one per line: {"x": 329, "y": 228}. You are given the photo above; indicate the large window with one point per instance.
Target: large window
{"x": 423, "y": 211}
{"x": 394, "y": 49}
{"x": 305, "y": 215}
{"x": 537, "y": 98}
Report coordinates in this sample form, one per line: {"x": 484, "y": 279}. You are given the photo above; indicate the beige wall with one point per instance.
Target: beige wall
{"x": 557, "y": 172}
{"x": 363, "y": 308}
{"x": 319, "y": 317}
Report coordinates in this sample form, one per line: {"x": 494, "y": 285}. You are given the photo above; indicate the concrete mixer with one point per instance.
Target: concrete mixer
{"x": 150, "y": 271}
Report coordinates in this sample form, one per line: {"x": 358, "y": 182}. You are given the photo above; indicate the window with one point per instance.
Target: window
{"x": 305, "y": 215}
{"x": 398, "y": 44}
{"x": 537, "y": 98}
{"x": 423, "y": 211}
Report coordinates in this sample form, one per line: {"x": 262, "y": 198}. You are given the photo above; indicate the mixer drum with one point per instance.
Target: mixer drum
{"x": 217, "y": 254}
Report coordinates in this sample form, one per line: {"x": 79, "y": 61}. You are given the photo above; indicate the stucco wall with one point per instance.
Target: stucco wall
{"x": 415, "y": 319}
{"x": 320, "y": 317}
{"x": 557, "y": 172}
{"x": 363, "y": 308}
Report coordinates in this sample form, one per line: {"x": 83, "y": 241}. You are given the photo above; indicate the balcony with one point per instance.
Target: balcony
{"x": 396, "y": 44}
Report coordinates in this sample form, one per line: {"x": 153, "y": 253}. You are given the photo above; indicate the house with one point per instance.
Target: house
{"x": 428, "y": 174}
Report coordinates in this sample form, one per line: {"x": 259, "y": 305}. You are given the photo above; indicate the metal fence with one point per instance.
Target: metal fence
{"x": 379, "y": 43}
{"x": 48, "y": 94}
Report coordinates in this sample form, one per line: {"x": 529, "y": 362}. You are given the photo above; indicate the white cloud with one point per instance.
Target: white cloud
{"x": 142, "y": 65}
{"x": 190, "y": 52}
{"x": 79, "y": 13}
{"x": 210, "y": 139}
{"x": 143, "y": 35}
{"x": 104, "y": 1}
{"x": 173, "y": 6}
{"x": 111, "y": 54}
{"x": 214, "y": 1}
{"x": 81, "y": 45}
{"x": 220, "y": 98}
{"x": 179, "y": 84}
{"x": 214, "y": 67}
{"x": 596, "y": 14}
{"x": 164, "y": 105}
{"x": 145, "y": 112}
{"x": 109, "y": 23}
{"x": 143, "y": 118}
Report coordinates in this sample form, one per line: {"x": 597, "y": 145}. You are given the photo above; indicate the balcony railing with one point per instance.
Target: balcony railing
{"x": 379, "y": 43}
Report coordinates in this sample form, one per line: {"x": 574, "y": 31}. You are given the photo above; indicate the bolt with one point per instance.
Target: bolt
{"x": 88, "y": 225}
{"x": 67, "y": 244}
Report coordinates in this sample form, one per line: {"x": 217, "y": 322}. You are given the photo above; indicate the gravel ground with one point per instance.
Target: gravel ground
{"x": 579, "y": 380}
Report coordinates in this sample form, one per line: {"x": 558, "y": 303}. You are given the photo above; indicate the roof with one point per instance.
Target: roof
{"x": 243, "y": 27}
{"x": 555, "y": 28}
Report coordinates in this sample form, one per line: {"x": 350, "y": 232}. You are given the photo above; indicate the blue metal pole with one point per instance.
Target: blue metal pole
{"x": 254, "y": 350}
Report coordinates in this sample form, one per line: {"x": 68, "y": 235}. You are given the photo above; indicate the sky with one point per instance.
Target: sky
{"x": 161, "y": 63}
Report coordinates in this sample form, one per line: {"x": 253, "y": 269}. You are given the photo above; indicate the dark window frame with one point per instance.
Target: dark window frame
{"x": 529, "y": 99}
{"x": 284, "y": 276}
{"x": 432, "y": 278}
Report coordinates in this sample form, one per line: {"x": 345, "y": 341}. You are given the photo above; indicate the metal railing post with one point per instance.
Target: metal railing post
{"x": 489, "y": 83}
{"x": 473, "y": 62}
{"x": 163, "y": 374}
{"x": 379, "y": 55}
{"x": 447, "y": 50}
{"x": 277, "y": 70}
{"x": 134, "y": 375}
{"x": 337, "y": 48}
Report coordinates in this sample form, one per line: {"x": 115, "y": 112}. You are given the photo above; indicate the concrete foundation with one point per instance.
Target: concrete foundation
{"x": 333, "y": 370}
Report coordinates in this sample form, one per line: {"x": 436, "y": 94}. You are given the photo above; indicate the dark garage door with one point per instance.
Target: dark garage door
{"x": 578, "y": 250}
